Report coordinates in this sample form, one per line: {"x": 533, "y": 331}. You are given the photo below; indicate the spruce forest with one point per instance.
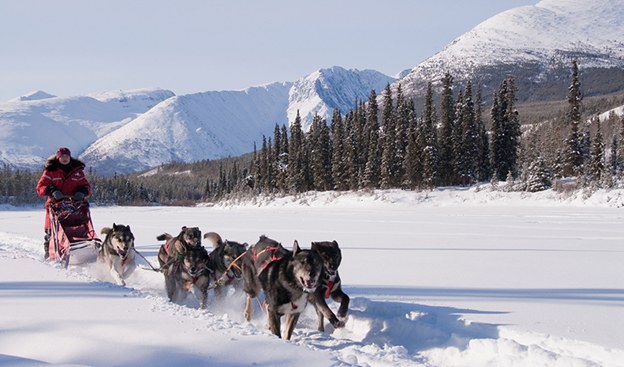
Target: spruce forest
{"x": 383, "y": 143}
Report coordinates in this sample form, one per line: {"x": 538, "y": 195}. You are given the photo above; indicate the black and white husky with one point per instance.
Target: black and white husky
{"x": 118, "y": 252}
{"x": 288, "y": 278}
{"x": 330, "y": 285}
{"x": 226, "y": 263}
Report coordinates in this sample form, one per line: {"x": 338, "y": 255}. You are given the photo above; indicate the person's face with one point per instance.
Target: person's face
{"x": 64, "y": 159}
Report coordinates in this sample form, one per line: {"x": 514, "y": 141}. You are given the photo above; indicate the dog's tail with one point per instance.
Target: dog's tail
{"x": 106, "y": 230}
{"x": 164, "y": 237}
{"x": 214, "y": 238}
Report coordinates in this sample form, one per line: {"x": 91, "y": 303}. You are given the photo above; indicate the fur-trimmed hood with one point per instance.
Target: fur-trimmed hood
{"x": 52, "y": 164}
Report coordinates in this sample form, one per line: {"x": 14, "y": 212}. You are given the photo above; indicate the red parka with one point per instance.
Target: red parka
{"x": 67, "y": 180}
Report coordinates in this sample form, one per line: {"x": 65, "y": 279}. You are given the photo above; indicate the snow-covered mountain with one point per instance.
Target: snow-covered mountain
{"x": 128, "y": 131}
{"x": 531, "y": 42}
{"x": 34, "y": 126}
{"x": 192, "y": 127}
{"x": 214, "y": 125}
{"x": 326, "y": 89}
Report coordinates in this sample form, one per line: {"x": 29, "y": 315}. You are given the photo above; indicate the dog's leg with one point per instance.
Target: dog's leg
{"x": 321, "y": 319}
{"x": 291, "y": 321}
{"x": 274, "y": 322}
{"x": 249, "y": 310}
{"x": 203, "y": 292}
{"x": 323, "y": 309}
{"x": 129, "y": 269}
{"x": 339, "y": 296}
{"x": 115, "y": 266}
{"x": 170, "y": 284}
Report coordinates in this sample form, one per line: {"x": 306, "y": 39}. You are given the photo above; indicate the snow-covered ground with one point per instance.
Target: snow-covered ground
{"x": 453, "y": 277}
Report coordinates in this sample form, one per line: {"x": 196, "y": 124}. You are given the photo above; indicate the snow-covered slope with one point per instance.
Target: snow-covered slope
{"x": 326, "y": 89}
{"x": 32, "y": 127}
{"x": 127, "y": 131}
{"x": 192, "y": 127}
{"x": 215, "y": 124}
{"x": 545, "y": 36}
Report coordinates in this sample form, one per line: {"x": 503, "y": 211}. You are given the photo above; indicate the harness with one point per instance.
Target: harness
{"x": 331, "y": 280}
{"x": 273, "y": 257}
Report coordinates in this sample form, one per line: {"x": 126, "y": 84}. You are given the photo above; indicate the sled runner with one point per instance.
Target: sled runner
{"x": 72, "y": 238}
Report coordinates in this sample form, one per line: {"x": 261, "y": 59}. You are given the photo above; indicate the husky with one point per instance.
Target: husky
{"x": 175, "y": 247}
{"x": 184, "y": 262}
{"x": 117, "y": 252}
{"x": 190, "y": 270}
{"x": 330, "y": 285}
{"x": 223, "y": 255}
{"x": 288, "y": 278}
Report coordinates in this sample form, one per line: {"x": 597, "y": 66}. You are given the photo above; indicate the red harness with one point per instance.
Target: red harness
{"x": 273, "y": 258}
{"x": 330, "y": 285}
{"x": 167, "y": 245}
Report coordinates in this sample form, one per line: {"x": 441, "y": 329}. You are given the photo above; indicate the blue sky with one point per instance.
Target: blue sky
{"x": 75, "y": 47}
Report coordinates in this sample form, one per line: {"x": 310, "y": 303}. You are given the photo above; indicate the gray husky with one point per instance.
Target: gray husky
{"x": 226, "y": 256}
{"x": 288, "y": 278}
{"x": 330, "y": 285}
{"x": 118, "y": 252}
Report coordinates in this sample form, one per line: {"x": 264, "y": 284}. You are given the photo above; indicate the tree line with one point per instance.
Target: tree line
{"x": 383, "y": 144}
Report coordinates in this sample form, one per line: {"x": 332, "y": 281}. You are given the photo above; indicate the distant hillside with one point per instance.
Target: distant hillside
{"x": 536, "y": 44}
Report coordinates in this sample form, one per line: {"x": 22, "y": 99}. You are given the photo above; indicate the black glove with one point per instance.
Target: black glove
{"x": 49, "y": 190}
{"x": 79, "y": 195}
{"x": 57, "y": 195}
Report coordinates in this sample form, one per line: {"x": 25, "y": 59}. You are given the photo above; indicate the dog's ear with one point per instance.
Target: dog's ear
{"x": 296, "y": 248}
{"x": 183, "y": 228}
{"x": 246, "y": 246}
{"x": 105, "y": 230}
{"x": 314, "y": 247}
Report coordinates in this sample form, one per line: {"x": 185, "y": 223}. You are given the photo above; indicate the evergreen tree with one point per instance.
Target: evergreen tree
{"x": 429, "y": 142}
{"x": 614, "y": 163}
{"x": 447, "y": 129}
{"x": 388, "y": 136}
{"x": 597, "y": 155}
{"x": 411, "y": 162}
{"x": 505, "y": 130}
{"x": 320, "y": 155}
{"x": 470, "y": 143}
{"x": 512, "y": 127}
{"x": 282, "y": 160}
{"x": 339, "y": 167}
{"x": 573, "y": 165}
{"x": 372, "y": 169}
{"x": 403, "y": 115}
{"x": 459, "y": 161}
{"x": 483, "y": 140}
{"x": 297, "y": 175}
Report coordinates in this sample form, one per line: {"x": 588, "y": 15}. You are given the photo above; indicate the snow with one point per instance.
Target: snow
{"x": 28, "y": 123}
{"x": 547, "y": 33}
{"x": 218, "y": 124}
{"x": 452, "y": 277}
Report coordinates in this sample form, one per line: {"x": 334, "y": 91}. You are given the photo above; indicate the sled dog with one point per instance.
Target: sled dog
{"x": 184, "y": 263}
{"x": 118, "y": 252}
{"x": 224, "y": 253}
{"x": 190, "y": 270}
{"x": 329, "y": 285}
{"x": 175, "y": 247}
{"x": 287, "y": 278}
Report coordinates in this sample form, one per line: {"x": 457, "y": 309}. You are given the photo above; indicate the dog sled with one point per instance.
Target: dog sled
{"x": 72, "y": 239}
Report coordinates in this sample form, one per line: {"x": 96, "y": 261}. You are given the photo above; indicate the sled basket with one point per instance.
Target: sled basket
{"x": 72, "y": 239}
